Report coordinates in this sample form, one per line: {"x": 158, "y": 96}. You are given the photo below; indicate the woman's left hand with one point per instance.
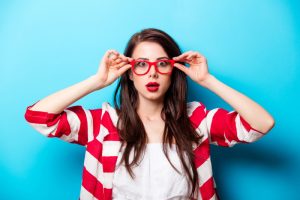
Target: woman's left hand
{"x": 198, "y": 69}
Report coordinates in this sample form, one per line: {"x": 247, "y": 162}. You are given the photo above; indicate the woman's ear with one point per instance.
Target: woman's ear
{"x": 130, "y": 76}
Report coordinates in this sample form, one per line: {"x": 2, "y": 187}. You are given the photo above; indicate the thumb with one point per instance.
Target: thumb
{"x": 181, "y": 67}
{"x": 123, "y": 69}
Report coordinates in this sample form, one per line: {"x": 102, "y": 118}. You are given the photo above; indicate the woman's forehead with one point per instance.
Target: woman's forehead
{"x": 149, "y": 50}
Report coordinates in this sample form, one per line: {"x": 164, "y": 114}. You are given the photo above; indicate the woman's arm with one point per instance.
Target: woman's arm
{"x": 54, "y": 118}
{"x": 109, "y": 70}
{"x": 252, "y": 112}
{"x": 58, "y": 101}
{"x": 198, "y": 71}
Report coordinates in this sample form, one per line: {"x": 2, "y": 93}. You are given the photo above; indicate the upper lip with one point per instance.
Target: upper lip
{"x": 152, "y": 83}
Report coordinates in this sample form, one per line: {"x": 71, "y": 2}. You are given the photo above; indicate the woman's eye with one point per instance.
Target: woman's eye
{"x": 163, "y": 63}
{"x": 141, "y": 64}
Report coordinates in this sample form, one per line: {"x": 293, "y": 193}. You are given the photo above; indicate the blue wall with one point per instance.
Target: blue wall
{"x": 253, "y": 46}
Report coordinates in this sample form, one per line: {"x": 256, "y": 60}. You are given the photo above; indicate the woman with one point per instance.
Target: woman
{"x": 152, "y": 144}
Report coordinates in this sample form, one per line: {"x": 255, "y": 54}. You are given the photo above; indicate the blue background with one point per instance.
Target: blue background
{"x": 252, "y": 46}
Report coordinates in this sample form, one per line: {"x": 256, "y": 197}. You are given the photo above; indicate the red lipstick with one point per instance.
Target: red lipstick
{"x": 152, "y": 86}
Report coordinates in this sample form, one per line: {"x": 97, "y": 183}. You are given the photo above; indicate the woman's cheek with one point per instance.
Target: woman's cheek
{"x": 139, "y": 84}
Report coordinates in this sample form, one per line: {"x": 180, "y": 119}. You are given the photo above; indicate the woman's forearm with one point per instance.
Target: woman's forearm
{"x": 252, "y": 112}
{"x": 58, "y": 101}
{"x": 109, "y": 70}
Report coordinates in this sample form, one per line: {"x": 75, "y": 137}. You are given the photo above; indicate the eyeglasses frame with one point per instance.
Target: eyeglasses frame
{"x": 150, "y": 64}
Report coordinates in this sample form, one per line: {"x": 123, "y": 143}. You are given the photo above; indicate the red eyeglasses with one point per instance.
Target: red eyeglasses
{"x": 142, "y": 67}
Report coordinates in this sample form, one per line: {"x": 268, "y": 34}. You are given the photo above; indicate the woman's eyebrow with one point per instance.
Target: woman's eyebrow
{"x": 156, "y": 58}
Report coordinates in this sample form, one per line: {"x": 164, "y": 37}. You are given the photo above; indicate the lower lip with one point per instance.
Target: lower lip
{"x": 152, "y": 89}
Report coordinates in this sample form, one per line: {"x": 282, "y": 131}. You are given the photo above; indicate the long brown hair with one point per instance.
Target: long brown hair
{"x": 174, "y": 113}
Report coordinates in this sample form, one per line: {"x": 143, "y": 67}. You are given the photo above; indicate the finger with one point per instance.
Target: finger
{"x": 130, "y": 59}
{"x": 202, "y": 57}
{"x": 111, "y": 51}
{"x": 124, "y": 58}
{"x": 108, "y": 56}
{"x": 113, "y": 57}
{"x": 123, "y": 69}
{"x": 183, "y": 55}
{"x": 108, "y": 52}
{"x": 181, "y": 67}
{"x": 117, "y": 66}
{"x": 114, "y": 51}
{"x": 200, "y": 54}
{"x": 118, "y": 60}
{"x": 122, "y": 64}
{"x": 104, "y": 60}
{"x": 113, "y": 60}
{"x": 184, "y": 59}
{"x": 181, "y": 58}
{"x": 113, "y": 54}
{"x": 192, "y": 55}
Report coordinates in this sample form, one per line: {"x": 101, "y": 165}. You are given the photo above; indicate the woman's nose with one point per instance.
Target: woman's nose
{"x": 152, "y": 70}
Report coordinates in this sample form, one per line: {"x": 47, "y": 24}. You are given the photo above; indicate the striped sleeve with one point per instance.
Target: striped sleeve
{"x": 222, "y": 127}
{"x": 227, "y": 128}
{"x": 75, "y": 124}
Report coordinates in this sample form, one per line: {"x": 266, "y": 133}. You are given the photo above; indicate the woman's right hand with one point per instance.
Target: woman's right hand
{"x": 112, "y": 65}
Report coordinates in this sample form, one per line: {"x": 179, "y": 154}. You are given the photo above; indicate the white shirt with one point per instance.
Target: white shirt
{"x": 154, "y": 179}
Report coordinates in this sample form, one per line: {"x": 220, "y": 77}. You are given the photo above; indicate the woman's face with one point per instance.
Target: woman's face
{"x": 150, "y": 51}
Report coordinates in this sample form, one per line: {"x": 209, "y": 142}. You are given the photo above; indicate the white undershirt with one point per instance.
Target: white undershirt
{"x": 154, "y": 179}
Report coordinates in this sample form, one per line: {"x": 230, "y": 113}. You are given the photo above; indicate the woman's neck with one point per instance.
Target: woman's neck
{"x": 149, "y": 110}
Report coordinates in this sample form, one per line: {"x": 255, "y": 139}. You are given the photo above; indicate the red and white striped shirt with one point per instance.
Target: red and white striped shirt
{"x": 96, "y": 130}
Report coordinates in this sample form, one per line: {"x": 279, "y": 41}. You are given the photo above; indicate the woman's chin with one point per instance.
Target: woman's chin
{"x": 153, "y": 96}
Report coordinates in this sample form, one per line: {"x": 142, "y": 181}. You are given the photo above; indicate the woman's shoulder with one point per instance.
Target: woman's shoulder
{"x": 107, "y": 108}
{"x": 192, "y": 105}
{"x": 196, "y": 110}
{"x": 106, "y": 105}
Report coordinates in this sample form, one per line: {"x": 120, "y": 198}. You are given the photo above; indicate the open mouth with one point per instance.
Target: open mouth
{"x": 152, "y": 86}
